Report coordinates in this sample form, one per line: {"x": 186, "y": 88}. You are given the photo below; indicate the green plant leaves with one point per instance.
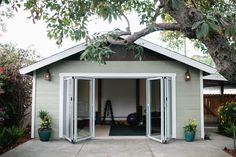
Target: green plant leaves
{"x": 204, "y": 29}
{"x": 9, "y": 136}
{"x": 137, "y": 50}
{"x": 231, "y": 30}
{"x": 226, "y": 116}
{"x": 97, "y": 50}
{"x": 175, "y": 4}
{"x": 46, "y": 119}
{"x": 196, "y": 24}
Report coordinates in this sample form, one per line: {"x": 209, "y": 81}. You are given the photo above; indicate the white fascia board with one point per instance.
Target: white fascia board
{"x": 175, "y": 56}
{"x": 214, "y": 77}
{"x": 53, "y": 59}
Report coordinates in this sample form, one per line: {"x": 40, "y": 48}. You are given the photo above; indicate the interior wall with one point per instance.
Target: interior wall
{"x": 122, "y": 93}
{"x": 155, "y": 95}
{"x": 142, "y": 95}
{"x": 83, "y": 99}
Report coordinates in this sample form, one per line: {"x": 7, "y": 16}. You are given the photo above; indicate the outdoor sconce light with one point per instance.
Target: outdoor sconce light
{"x": 187, "y": 76}
{"x": 47, "y": 75}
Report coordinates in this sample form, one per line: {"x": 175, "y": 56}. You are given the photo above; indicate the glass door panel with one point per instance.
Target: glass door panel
{"x": 84, "y": 108}
{"x": 78, "y": 113}
{"x": 68, "y": 109}
{"x": 155, "y": 108}
{"x": 159, "y": 111}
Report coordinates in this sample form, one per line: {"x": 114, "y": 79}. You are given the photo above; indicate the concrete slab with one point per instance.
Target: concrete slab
{"x": 123, "y": 148}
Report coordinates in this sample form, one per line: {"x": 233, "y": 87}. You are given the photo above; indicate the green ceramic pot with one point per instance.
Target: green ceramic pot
{"x": 189, "y": 136}
{"x": 44, "y": 134}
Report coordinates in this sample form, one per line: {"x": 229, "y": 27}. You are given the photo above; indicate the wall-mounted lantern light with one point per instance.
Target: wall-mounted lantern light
{"x": 187, "y": 76}
{"x": 47, "y": 75}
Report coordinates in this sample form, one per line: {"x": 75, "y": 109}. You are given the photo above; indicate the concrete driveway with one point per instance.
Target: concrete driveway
{"x": 123, "y": 148}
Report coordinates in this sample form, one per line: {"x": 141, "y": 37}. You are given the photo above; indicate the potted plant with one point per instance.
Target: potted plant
{"x": 190, "y": 130}
{"x": 45, "y": 127}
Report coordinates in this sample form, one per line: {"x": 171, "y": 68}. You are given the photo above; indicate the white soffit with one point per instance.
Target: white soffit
{"x": 141, "y": 42}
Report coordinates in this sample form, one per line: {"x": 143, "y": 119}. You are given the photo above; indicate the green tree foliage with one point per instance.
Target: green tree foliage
{"x": 17, "y": 88}
{"x": 5, "y": 13}
{"x": 9, "y": 136}
{"x": 206, "y": 59}
{"x": 227, "y": 117}
{"x": 211, "y": 24}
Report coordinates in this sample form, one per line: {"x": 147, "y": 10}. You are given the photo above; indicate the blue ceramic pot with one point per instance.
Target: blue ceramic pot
{"x": 44, "y": 134}
{"x": 189, "y": 136}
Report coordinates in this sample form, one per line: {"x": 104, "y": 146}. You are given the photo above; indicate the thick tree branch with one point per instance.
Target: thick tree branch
{"x": 136, "y": 35}
{"x": 128, "y": 23}
{"x": 218, "y": 46}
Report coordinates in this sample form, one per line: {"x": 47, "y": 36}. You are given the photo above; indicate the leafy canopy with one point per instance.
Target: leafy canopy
{"x": 17, "y": 88}
{"x": 70, "y": 18}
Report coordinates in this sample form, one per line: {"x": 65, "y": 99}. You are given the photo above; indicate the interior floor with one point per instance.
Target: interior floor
{"x": 102, "y": 130}
{"x": 119, "y": 130}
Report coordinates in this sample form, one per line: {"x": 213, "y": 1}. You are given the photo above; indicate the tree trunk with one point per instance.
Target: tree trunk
{"x": 218, "y": 45}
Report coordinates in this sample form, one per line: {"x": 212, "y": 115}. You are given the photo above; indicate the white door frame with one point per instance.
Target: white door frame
{"x": 116, "y": 76}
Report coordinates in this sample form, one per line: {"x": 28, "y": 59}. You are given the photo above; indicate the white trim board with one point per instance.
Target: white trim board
{"x": 141, "y": 42}
{"x": 117, "y": 75}
{"x": 201, "y": 106}
{"x": 33, "y": 105}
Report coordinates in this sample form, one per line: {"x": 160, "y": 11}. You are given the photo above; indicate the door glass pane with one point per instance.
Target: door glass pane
{"x": 83, "y": 108}
{"x": 155, "y": 108}
{"x": 168, "y": 109}
{"x": 68, "y": 109}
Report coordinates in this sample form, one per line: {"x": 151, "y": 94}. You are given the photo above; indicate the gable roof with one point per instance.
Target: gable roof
{"x": 141, "y": 42}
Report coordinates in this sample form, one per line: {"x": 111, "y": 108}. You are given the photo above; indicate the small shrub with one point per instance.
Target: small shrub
{"x": 8, "y": 136}
{"x": 226, "y": 117}
{"x": 191, "y": 126}
{"x": 46, "y": 120}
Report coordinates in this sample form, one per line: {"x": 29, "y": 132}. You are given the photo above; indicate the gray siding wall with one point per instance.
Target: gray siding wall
{"x": 187, "y": 93}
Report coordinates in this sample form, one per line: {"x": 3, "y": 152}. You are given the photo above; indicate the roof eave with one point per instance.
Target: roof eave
{"x": 53, "y": 59}
{"x": 141, "y": 42}
{"x": 175, "y": 56}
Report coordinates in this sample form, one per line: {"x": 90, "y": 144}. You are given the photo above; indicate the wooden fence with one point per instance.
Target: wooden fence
{"x": 212, "y": 103}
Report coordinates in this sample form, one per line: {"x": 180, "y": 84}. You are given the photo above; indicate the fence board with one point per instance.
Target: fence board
{"x": 212, "y": 103}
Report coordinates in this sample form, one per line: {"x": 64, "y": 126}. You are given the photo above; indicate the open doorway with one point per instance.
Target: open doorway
{"x": 106, "y": 107}
{"x": 121, "y": 107}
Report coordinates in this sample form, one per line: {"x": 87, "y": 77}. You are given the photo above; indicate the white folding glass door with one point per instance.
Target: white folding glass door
{"x": 159, "y": 108}
{"x": 68, "y": 113}
{"x": 78, "y": 108}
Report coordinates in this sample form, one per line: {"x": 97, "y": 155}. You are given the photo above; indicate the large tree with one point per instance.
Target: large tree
{"x": 211, "y": 23}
